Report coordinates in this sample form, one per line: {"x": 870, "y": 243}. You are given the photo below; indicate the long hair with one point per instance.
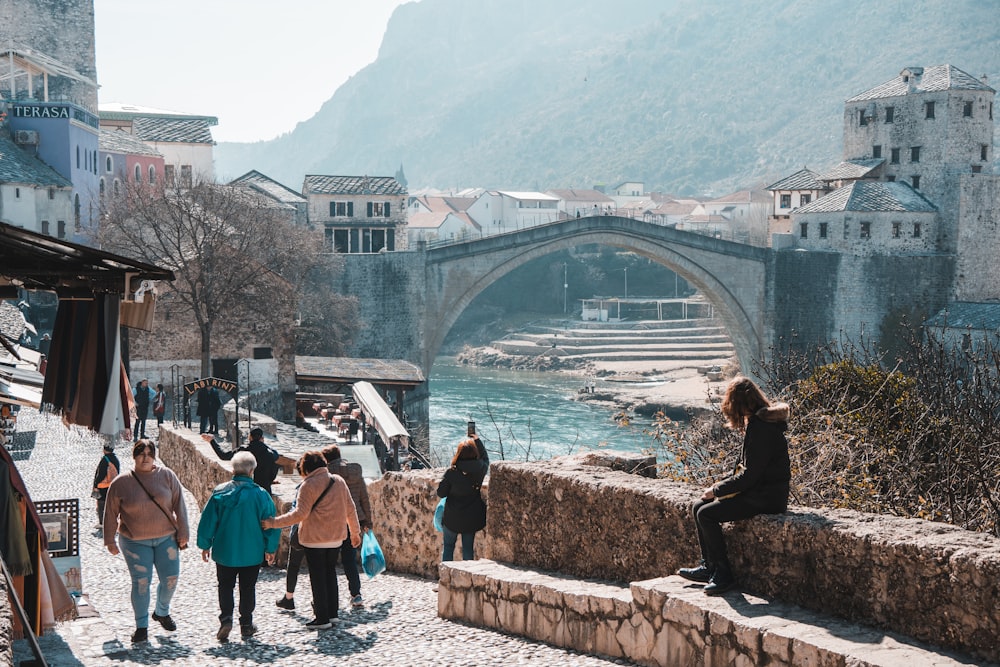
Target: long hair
{"x": 743, "y": 398}
{"x": 466, "y": 450}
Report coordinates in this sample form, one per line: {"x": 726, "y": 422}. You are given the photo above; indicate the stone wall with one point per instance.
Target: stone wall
{"x": 6, "y": 627}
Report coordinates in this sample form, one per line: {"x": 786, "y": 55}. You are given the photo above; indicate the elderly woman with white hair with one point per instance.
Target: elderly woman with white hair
{"x": 230, "y": 532}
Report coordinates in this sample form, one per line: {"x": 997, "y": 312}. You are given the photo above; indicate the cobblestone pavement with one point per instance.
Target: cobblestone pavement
{"x": 398, "y": 625}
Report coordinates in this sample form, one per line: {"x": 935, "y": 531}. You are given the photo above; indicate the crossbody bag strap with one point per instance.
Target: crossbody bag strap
{"x": 328, "y": 487}
{"x": 165, "y": 513}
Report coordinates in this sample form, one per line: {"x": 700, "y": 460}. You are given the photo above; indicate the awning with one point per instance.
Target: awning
{"x": 379, "y": 414}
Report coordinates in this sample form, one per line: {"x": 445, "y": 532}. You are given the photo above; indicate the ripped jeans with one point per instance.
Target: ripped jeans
{"x": 142, "y": 557}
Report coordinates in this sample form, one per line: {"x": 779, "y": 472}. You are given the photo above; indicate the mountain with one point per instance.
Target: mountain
{"x": 690, "y": 97}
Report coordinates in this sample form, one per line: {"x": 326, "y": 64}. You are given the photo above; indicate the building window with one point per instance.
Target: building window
{"x": 115, "y": 188}
{"x": 786, "y": 201}
{"x": 876, "y": 151}
{"x": 138, "y": 174}
{"x": 804, "y": 230}
{"x": 977, "y": 169}
{"x": 915, "y": 154}
{"x": 866, "y": 230}
{"x": 341, "y": 241}
{"x": 915, "y": 180}
{"x": 928, "y": 110}
{"x": 100, "y": 188}
{"x": 983, "y": 152}
{"x": 378, "y": 209}
{"x": 77, "y": 157}
{"x": 152, "y": 174}
{"x": 804, "y": 199}
{"x": 341, "y": 209}
{"x": 916, "y": 230}
{"x": 17, "y": 193}
{"x": 93, "y": 163}
{"x": 61, "y": 229}
{"x": 862, "y": 117}
{"x": 52, "y": 193}
{"x": 76, "y": 212}
{"x": 378, "y": 239}
{"x": 897, "y": 229}
{"x": 168, "y": 174}
{"x": 847, "y": 230}
{"x": 967, "y": 109}
{"x": 186, "y": 175}
{"x": 894, "y": 156}
{"x": 45, "y": 227}
{"x": 823, "y": 229}
{"x": 107, "y": 164}
{"x": 890, "y": 114}
{"x": 891, "y": 178}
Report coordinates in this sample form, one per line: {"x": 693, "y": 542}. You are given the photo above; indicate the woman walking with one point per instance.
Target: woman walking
{"x": 146, "y": 509}
{"x": 759, "y": 485}
{"x": 324, "y": 511}
{"x": 464, "y": 509}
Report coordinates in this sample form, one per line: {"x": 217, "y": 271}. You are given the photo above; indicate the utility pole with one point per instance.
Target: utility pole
{"x": 565, "y": 288}
{"x": 626, "y": 281}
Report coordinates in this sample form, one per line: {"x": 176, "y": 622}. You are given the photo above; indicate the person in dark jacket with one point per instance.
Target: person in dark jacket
{"x": 143, "y": 397}
{"x": 267, "y": 458}
{"x": 464, "y": 509}
{"x": 759, "y": 485}
{"x": 354, "y": 476}
{"x": 230, "y": 532}
{"x": 107, "y": 469}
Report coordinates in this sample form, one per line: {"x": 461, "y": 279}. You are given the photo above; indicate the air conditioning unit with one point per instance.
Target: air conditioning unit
{"x": 26, "y": 137}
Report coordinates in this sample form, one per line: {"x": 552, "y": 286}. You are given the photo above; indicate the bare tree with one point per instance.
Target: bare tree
{"x": 234, "y": 253}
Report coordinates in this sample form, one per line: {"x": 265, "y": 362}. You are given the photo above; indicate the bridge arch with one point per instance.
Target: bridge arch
{"x": 732, "y": 276}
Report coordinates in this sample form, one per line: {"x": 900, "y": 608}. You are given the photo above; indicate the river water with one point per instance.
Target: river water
{"x": 520, "y": 415}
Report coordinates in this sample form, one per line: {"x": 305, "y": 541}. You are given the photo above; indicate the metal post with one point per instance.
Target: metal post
{"x": 626, "y": 281}
{"x": 565, "y": 288}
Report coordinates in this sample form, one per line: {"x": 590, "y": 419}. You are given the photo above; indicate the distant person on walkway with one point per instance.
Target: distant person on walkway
{"x": 230, "y": 532}
{"x": 355, "y": 478}
{"x": 107, "y": 470}
{"x": 326, "y": 515}
{"x": 143, "y": 397}
{"x": 267, "y": 458}
{"x": 146, "y": 510}
{"x": 758, "y": 485}
{"x": 203, "y": 409}
{"x": 159, "y": 404}
{"x": 214, "y": 405}
{"x": 464, "y": 509}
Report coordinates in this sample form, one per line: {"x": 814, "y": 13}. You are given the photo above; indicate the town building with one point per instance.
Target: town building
{"x": 577, "y": 203}
{"x": 791, "y": 192}
{"x": 282, "y": 196}
{"x": 431, "y": 219}
{"x": 184, "y": 140}
{"x": 358, "y": 214}
{"x": 499, "y": 211}
{"x": 33, "y": 195}
{"x": 125, "y": 159}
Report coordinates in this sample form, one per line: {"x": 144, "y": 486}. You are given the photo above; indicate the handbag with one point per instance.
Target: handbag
{"x": 372, "y": 559}
{"x": 439, "y": 515}
{"x": 165, "y": 512}
{"x": 293, "y": 534}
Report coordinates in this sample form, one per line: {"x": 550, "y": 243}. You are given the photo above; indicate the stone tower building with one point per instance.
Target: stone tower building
{"x": 61, "y": 34}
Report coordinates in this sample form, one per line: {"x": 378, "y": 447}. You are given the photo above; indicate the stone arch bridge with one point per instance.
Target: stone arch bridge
{"x": 409, "y": 300}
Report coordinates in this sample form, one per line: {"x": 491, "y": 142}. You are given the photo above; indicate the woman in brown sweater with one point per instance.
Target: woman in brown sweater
{"x": 146, "y": 509}
{"x": 324, "y": 511}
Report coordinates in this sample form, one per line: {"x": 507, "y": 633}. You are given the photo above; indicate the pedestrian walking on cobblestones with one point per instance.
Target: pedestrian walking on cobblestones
{"x": 230, "y": 532}
{"x": 325, "y": 512}
{"x": 143, "y": 397}
{"x": 146, "y": 509}
{"x": 107, "y": 470}
{"x": 353, "y": 474}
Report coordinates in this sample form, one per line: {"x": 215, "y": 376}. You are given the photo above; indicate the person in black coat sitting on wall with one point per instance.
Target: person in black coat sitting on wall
{"x": 267, "y": 458}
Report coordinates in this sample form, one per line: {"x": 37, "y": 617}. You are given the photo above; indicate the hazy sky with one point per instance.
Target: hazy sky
{"x": 259, "y": 66}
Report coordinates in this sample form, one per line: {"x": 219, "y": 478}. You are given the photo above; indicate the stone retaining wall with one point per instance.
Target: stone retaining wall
{"x": 664, "y": 622}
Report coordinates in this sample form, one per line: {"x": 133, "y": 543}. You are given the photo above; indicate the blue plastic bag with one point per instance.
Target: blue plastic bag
{"x": 372, "y": 559}
{"x": 439, "y": 516}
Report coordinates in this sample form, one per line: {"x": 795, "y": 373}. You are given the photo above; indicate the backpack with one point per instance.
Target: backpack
{"x": 110, "y": 474}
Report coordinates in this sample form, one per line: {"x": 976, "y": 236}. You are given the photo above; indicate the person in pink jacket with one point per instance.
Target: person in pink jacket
{"x": 324, "y": 511}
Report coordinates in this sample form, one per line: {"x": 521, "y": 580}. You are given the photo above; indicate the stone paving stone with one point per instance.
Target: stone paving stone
{"x": 398, "y": 625}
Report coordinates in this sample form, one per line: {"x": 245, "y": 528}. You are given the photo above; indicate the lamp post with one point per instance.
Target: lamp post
{"x": 565, "y": 288}
{"x": 626, "y": 282}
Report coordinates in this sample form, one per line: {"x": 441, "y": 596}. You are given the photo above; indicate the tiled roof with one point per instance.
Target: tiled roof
{"x": 119, "y": 111}
{"x": 179, "y": 130}
{"x": 119, "y": 141}
{"x": 870, "y": 196}
{"x": 581, "y": 195}
{"x": 923, "y": 80}
{"x": 18, "y": 166}
{"x": 270, "y": 187}
{"x": 674, "y": 208}
{"x": 352, "y": 185}
{"x": 968, "y": 314}
{"x": 803, "y": 179}
{"x": 741, "y": 197}
{"x": 526, "y": 196}
{"x": 852, "y": 169}
{"x": 434, "y": 220}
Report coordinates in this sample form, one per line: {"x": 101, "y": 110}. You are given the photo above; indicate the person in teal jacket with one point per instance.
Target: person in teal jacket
{"x": 230, "y": 532}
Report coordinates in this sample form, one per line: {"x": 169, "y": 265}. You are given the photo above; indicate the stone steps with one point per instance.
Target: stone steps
{"x": 666, "y": 621}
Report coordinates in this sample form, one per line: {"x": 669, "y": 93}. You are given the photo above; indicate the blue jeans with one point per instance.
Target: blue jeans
{"x": 451, "y": 537}
{"x": 142, "y": 557}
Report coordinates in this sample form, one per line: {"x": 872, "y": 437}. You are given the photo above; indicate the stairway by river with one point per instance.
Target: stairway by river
{"x": 694, "y": 340}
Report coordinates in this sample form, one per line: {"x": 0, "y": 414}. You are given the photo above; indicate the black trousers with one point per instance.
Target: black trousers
{"x": 323, "y": 581}
{"x": 295, "y": 556}
{"x": 709, "y": 515}
{"x": 247, "y": 577}
{"x": 349, "y": 561}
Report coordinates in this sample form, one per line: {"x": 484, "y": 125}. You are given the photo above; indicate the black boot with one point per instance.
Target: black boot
{"x": 702, "y": 574}
{"x": 722, "y": 581}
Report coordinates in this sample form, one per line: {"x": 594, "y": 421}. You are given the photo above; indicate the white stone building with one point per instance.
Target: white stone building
{"x": 499, "y": 211}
